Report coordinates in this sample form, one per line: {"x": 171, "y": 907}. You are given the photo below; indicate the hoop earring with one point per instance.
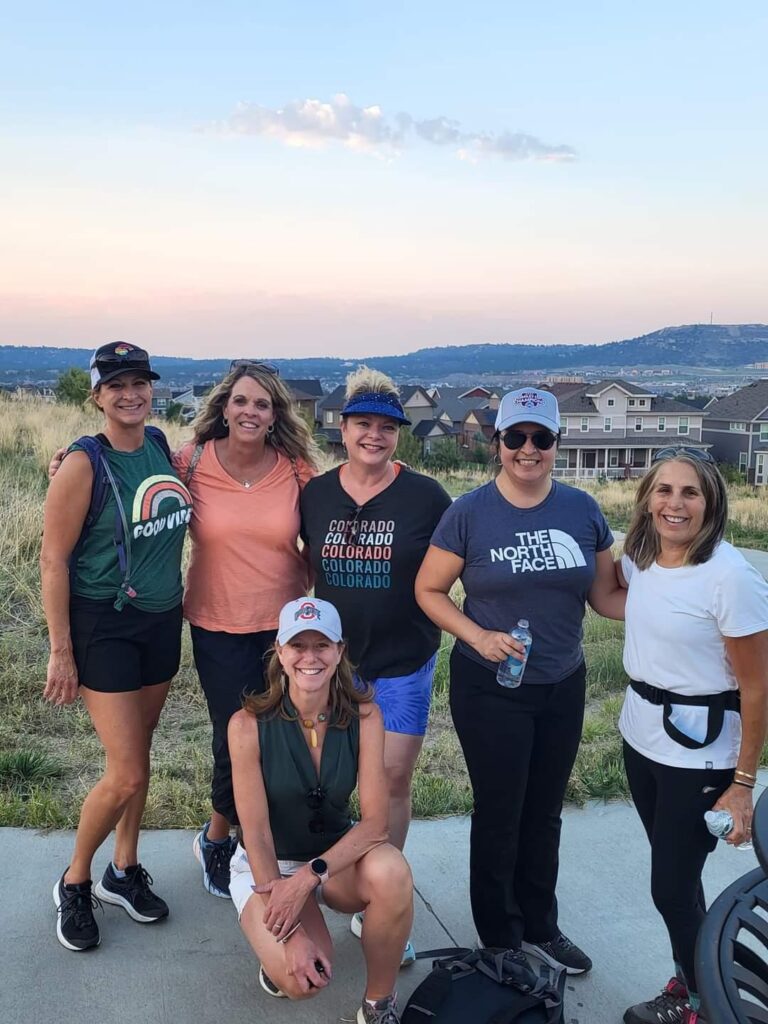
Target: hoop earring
{"x": 496, "y": 460}
{"x": 271, "y": 429}
{"x": 225, "y": 421}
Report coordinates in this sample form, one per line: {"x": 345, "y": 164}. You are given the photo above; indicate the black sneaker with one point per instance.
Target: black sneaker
{"x": 561, "y": 952}
{"x": 214, "y": 859}
{"x": 132, "y": 893}
{"x": 268, "y": 985}
{"x": 667, "y": 1008}
{"x": 76, "y": 926}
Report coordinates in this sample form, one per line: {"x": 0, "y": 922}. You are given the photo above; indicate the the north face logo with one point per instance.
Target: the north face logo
{"x": 540, "y": 551}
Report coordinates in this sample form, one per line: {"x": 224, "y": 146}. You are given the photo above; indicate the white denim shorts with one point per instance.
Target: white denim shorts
{"x": 241, "y": 878}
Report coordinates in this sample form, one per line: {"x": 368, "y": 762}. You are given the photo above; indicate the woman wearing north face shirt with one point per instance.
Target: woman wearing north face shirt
{"x": 525, "y": 547}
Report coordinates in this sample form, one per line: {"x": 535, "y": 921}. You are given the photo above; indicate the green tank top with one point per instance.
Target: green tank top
{"x": 307, "y": 814}
{"x": 157, "y": 508}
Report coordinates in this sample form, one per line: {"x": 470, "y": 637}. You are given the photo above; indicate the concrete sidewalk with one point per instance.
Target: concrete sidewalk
{"x": 195, "y": 968}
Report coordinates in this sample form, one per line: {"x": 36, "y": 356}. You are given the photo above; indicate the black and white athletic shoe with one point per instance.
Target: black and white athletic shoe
{"x": 561, "y": 952}
{"x": 76, "y": 926}
{"x": 132, "y": 893}
{"x": 669, "y": 1007}
{"x": 268, "y": 985}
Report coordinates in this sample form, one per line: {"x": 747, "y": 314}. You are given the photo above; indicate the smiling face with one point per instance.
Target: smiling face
{"x": 527, "y": 466}
{"x": 249, "y": 411}
{"x": 309, "y": 659}
{"x": 370, "y": 439}
{"x": 677, "y": 506}
{"x": 126, "y": 399}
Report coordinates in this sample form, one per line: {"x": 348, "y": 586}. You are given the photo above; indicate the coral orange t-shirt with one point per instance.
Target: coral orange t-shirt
{"x": 245, "y": 562}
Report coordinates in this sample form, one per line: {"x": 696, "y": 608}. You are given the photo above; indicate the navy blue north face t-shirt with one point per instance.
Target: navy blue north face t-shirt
{"x": 528, "y": 563}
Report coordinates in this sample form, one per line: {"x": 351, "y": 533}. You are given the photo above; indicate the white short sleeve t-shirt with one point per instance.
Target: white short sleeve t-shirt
{"x": 676, "y": 620}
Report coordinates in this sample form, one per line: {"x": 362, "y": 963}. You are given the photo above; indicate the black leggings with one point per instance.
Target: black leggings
{"x": 671, "y": 803}
{"x": 519, "y": 746}
{"x": 230, "y": 665}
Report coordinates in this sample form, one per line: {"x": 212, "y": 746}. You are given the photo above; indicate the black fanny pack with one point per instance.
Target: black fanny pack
{"x": 718, "y": 704}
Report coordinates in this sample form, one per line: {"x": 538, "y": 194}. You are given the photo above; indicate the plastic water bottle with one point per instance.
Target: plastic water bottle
{"x": 510, "y": 671}
{"x": 720, "y": 824}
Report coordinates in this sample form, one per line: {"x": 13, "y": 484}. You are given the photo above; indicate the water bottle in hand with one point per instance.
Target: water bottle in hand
{"x": 510, "y": 671}
{"x": 720, "y": 824}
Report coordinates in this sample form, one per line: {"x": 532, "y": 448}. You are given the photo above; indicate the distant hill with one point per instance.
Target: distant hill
{"x": 713, "y": 346}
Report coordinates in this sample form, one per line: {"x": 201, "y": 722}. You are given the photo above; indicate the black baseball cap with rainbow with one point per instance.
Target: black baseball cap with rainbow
{"x": 119, "y": 357}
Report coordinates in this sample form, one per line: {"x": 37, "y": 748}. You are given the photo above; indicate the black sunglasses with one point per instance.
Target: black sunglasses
{"x": 542, "y": 439}
{"x": 315, "y": 798}
{"x": 352, "y": 527}
{"x": 135, "y": 359}
{"x": 238, "y": 364}
{"x": 673, "y": 450}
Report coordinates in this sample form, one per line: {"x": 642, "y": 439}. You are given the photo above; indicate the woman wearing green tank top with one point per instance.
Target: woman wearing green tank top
{"x": 298, "y": 751}
{"x": 115, "y": 519}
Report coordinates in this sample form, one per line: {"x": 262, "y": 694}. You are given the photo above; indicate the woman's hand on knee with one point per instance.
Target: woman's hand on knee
{"x": 306, "y": 963}
{"x": 287, "y": 897}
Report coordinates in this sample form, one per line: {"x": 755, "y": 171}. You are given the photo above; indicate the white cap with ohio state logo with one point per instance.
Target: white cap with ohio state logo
{"x": 308, "y": 613}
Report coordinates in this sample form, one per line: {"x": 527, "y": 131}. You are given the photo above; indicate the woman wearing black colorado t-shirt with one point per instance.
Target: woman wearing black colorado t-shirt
{"x": 525, "y": 547}
{"x": 368, "y": 524}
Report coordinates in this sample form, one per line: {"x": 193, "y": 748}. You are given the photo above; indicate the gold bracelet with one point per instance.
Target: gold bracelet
{"x": 747, "y": 775}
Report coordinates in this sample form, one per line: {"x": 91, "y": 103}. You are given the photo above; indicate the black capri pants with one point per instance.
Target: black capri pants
{"x": 671, "y": 803}
{"x": 230, "y": 666}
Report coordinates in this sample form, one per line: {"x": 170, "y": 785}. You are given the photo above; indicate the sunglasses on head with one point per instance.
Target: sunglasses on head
{"x": 315, "y": 798}
{"x": 672, "y": 451}
{"x": 542, "y": 439}
{"x": 238, "y": 364}
{"x": 136, "y": 359}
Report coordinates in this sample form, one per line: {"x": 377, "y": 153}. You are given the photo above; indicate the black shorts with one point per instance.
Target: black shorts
{"x": 117, "y": 652}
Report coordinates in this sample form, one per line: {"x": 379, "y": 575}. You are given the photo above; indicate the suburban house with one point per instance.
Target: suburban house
{"x": 307, "y": 395}
{"x": 737, "y": 429}
{"x": 612, "y": 428}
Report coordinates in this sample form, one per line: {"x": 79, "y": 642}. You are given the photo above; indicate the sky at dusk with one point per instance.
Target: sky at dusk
{"x": 355, "y": 179}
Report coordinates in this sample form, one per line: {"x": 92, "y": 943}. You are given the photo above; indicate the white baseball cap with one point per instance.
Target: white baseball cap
{"x": 529, "y": 405}
{"x": 308, "y": 613}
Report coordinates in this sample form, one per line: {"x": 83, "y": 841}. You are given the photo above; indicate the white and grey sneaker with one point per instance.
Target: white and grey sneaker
{"x": 383, "y": 1011}
{"x": 356, "y": 927}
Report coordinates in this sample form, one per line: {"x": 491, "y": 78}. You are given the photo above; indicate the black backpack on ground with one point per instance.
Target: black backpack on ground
{"x": 483, "y": 986}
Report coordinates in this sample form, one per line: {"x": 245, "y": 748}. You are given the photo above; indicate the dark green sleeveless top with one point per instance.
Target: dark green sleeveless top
{"x": 307, "y": 814}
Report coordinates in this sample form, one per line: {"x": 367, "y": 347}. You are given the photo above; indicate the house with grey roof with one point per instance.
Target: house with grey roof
{"x": 611, "y": 428}
{"x": 737, "y": 429}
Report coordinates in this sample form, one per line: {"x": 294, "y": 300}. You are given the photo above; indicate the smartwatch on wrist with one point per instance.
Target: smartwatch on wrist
{"x": 319, "y": 869}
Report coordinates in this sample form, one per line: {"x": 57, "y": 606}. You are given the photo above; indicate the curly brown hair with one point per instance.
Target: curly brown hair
{"x": 291, "y": 435}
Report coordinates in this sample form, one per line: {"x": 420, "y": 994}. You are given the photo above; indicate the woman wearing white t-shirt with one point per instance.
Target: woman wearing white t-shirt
{"x": 696, "y": 650}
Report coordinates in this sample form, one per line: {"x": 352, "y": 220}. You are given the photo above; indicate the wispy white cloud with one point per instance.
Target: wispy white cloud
{"x": 316, "y": 124}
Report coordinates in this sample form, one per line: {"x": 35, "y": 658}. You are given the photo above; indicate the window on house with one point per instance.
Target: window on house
{"x": 607, "y": 424}
{"x": 638, "y": 423}
{"x": 613, "y": 457}
{"x": 631, "y": 402}
{"x": 763, "y": 433}
{"x": 738, "y": 427}
{"x": 641, "y": 403}
{"x": 584, "y": 424}
{"x": 611, "y": 403}
{"x": 564, "y": 427}
{"x": 662, "y": 424}
{"x": 328, "y": 416}
{"x": 682, "y": 425}
{"x": 743, "y": 463}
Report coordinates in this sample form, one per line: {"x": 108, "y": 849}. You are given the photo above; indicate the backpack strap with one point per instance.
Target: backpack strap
{"x": 436, "y": 954}
{"x": 104, "y": 482}
{"x": 193, "y": 463}
{"x": 161, "y": 440}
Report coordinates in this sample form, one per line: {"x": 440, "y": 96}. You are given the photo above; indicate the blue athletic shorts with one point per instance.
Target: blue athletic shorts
{"x": 404, "y": 700}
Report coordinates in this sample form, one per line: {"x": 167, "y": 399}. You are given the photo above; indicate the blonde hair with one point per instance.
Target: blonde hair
{"x": 642, "y": 542}
{"x": 364, "y": 379}
{"x": 291, "y": 435}
{"x": 345, "y": 696}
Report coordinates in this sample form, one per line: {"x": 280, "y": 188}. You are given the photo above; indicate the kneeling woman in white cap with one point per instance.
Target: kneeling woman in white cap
{"x": 298, "y": 751}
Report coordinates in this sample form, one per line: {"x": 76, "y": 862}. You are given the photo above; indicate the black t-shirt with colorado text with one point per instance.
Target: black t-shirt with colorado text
{"x": 365, "y": 559}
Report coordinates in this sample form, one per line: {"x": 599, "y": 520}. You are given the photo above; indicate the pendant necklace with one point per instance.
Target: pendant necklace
{"x": 309, "y": 724}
